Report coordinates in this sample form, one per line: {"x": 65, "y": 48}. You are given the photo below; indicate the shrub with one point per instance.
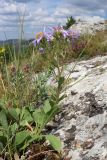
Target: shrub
{"x": 69, "y": 23}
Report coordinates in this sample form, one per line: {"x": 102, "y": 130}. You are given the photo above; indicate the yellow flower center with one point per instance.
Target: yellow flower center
{"x": 38, "y": 35}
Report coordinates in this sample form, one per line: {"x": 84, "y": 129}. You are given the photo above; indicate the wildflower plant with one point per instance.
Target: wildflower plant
{"x": 21, "y": 121}
{"x": 29, "y": 102}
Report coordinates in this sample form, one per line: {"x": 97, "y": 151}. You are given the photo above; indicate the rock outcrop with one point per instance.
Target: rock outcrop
{"x": 89, "y": 27}
{"x": 82, "y": 124}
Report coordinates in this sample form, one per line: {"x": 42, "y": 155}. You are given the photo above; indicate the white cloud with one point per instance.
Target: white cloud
{"x": 62, "y": 12}
{"x": 48, "y": 20}
{"x": 9, "y": 8}
{"x": 40, "y": 12}
{"x": 47, "y": 12}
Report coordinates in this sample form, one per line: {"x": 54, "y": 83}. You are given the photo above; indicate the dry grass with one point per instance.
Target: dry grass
{"x": 39, "y": 62}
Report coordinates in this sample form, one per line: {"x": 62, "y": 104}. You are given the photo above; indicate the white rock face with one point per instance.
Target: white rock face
{"x": 83, "y": 121}
{"x": 89, "y": 25}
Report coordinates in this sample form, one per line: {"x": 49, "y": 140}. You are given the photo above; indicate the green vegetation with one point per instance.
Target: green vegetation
{"x": 70, "y": 22}
{"x": 27, "y": 100}
{"x": 27, "y": 106}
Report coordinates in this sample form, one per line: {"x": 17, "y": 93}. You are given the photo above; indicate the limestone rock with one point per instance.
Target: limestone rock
{"x": 82, "y": 125}
{"x": 90, "y": 27}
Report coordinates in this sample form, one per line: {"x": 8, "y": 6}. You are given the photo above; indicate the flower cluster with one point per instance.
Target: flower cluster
{"x": 51, "y": 35}
{"x": 73, "y": 34}
{"x": 60, "y": 29}
{"x": 41, "y": 35}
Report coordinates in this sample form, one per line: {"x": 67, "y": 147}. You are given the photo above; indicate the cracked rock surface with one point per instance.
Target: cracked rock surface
{"x": 82, "y": 124}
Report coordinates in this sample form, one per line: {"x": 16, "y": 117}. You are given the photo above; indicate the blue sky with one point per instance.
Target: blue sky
{"x": 40, "y": 13}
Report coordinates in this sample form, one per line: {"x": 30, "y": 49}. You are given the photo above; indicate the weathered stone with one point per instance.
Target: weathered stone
{"x": 82, "y": 125}
{"x": 87, "y": 26}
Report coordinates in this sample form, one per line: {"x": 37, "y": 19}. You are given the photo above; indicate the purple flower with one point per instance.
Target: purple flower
{"x": 41, "y": 50}
{"x": 41, "y": 35}
{"x": 34, "y": 42}
{"x": 64, "y": 33}
{"x": 57, "y": 29}
{"x": 38, "y": 38}
{"x": 73, "y": 34}
{"x": 49, "y": 36}
{"x": 60, "y": 29}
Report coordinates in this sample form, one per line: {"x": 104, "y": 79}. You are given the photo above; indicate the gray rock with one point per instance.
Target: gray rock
{"x": 83, "y": 121}
{"x": 90, "y": 27}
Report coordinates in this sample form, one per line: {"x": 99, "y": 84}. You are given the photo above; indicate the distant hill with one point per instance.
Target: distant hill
{"x": 14, "y": 41}
{"x": 10, "y": 41}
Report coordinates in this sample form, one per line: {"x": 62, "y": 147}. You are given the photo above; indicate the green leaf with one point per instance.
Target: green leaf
{"x": 33, "y": 138}
{"x": 21, "y": 137}
{"x": 1, "y": 146}
{"x": 14, "y": 127}
{"x": 18, "y": 110}
{"x": 23, "y": 123}
{"x": 62, "y": 97}
{"x": 47, "y": 106}
{"x": 3, "y": 120}
{"x": 13, "y": 113}
{"x": 39, "y": 117}
{"x": 3, "y": 139}
{"x": 1, "y": 133}
{"x": 27, "y": 115}
{"x": 55, "y": 142}
{"x": 60, "y": 82}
